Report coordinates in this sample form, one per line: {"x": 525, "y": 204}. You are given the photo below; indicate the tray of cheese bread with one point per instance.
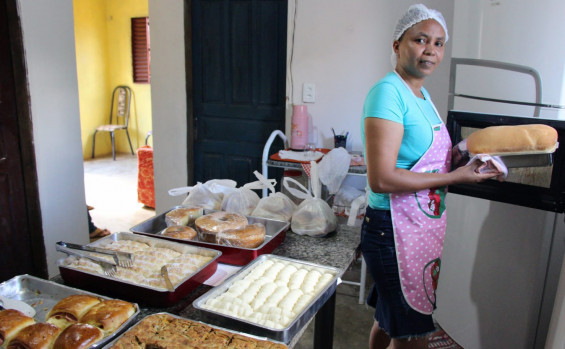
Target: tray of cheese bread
{"x": 240, "y": 238}
{"x": 273, "y": 297}
{"x": 165, "y": 330}
{"x": 65, "y": 317}
{"x": 187, "y": 267}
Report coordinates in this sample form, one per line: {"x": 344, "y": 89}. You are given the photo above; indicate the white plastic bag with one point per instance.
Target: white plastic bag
{"x": 313, "y": 217}
{"x": 275, "y": 206}
{"x": 333, "y": 168}
{"x": 244, "y": 200}
{"x": 207, "y": 195}
{"x": 344, "y": 199}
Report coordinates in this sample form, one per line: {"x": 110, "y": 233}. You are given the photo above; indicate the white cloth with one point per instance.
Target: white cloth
{"x": 300, "y": 155}
{"x": 490, "y": 164}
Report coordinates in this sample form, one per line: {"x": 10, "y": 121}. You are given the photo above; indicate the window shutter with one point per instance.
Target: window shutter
{"x": 141, "y": 53}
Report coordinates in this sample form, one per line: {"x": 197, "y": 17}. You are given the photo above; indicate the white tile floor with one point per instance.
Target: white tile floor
{"x": 111, "y": 187}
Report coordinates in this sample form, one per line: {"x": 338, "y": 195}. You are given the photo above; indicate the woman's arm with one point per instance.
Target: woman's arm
{"x": 382, "y": 142}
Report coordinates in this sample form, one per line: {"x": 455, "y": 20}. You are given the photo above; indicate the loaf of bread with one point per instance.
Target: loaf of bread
{"x": 11, "y": 322}
{"x": 78, "y": 336}
{"x": 183, "y": 215}
{"x": 70, "y": 309}
{"x": 249, "y": 236}
{"x": 514, "y": 139}
{"x": 109, "y": 315}
{"x": 40, "y": 335}
{"x": 182, "y": 232}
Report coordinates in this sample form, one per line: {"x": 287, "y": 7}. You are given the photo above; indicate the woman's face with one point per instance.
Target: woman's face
{"x": 420, "y": 49}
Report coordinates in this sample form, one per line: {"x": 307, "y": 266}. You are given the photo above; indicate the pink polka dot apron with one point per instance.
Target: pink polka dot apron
{"x": 419, "y": 222}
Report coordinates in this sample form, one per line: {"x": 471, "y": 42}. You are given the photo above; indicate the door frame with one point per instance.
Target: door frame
{"x": 25, "y": 125}
{"x": 189, "y": 91}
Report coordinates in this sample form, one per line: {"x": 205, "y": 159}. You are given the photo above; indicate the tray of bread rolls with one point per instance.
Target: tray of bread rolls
{"x": 273, "y": 297}
{"x": 65, "y": 317}
{"x": 165, "y": 330}
{"x": 187, "y": 267}
{"x": 240, "y": 238}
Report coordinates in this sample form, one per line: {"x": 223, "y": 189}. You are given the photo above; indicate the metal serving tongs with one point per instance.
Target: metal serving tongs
{"x": 122, "y": 259}
{"x": 108, "y": 267}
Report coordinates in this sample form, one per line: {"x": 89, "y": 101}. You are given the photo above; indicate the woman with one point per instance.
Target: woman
{"x": 408, "y": 155}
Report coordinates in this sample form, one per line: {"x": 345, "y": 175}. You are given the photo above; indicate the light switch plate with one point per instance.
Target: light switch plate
{"x": 308, "y": 93}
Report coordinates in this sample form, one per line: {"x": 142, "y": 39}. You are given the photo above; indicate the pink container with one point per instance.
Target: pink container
{"x": 299, "y": 127}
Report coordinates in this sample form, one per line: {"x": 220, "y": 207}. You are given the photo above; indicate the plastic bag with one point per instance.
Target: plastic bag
{"x": 244, "y": 200}
{"x": 275, "y": 206}
{"x": 207, "y": 195}
{"x": 344, "y": 198}
{"x": 313, "y": 217}
{"x": 333, "y": 168}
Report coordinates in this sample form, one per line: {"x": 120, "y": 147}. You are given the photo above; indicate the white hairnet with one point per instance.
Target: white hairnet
{"x": 416, "y": 14}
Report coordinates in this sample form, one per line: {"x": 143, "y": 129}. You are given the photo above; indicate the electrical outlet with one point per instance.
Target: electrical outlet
{"x": 308, "y": 93}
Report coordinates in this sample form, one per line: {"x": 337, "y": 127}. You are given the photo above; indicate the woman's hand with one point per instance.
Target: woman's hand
{"x": 472, "y": 173}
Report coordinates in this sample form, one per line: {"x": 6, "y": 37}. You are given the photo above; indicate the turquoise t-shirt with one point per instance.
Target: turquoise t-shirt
{"x": 392, "y": 100}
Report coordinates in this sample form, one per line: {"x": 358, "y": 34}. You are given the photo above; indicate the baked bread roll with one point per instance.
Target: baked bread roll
{"x": 40, "y": 335}
{"x": 513, "y": 139}
{"x": 78, "y": 336}
{"x": 180, "y": 232}
{"x": 109, "y": 315}
{"x": 183, "y": 215}
{"x": 11, "y": 322}
{"x": 70, "y": 309}
{"x": 210, "y": 225}
{"x": 250, "y": 236}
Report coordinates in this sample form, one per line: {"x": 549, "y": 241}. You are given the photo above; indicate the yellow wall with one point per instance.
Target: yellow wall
{"x": 103, "y": 49}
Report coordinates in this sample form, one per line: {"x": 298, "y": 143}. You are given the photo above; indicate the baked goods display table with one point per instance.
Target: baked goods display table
{"x": 336, "y": 250}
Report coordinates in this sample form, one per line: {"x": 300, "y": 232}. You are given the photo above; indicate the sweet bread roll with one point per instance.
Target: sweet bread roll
{"x": 40, "y": 335}
{"x": 249, "y": 236}
{"x": 70, "y": 309}
{"x": 210, "y": 225}
{"x": 78, "y": 336}
{"x": 183, "y": 215}
{"x": 109, "y": 315}
{"x": 180, "y": 232}
{"x": 11, "y": 322}
{"x": 513, "y": 139}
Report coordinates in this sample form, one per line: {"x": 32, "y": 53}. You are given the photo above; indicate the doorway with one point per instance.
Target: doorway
{"x": 104, "y": 47}
{"x": 21, "y": 232}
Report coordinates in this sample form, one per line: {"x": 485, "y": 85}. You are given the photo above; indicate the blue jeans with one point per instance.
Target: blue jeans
{"x": 392, "y": 312}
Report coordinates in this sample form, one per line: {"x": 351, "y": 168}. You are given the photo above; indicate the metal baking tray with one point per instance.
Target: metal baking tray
{"x": 275, "y": 233}
{"x": 109, "y": 345}
{"x": 42, "y": 295}
{"x": 527, "y": 160}
{"x": 142, "y": 293}
{"x": 284, "y": 335}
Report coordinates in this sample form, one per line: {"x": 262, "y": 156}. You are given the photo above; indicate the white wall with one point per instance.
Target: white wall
{"x": 48, "y": 36}
{"x": 344, "y": 48}
{"x": 168, "y": 99}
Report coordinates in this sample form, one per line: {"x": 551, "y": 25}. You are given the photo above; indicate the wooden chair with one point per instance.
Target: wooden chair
{"x": 120, "y": 108}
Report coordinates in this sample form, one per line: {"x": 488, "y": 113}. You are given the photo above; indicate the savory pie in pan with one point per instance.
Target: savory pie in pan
{"x": 167, "y": 331}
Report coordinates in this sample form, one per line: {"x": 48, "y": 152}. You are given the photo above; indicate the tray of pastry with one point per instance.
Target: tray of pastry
{"x": 165, "y": 330}
{"x": 63, "y": 315}
{"x": 232, "y": 252}
{"x": 273, "y": 297}
{"x": 187, "y": 267}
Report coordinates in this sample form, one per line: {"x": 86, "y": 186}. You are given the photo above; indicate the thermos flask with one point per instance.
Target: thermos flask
{"x": 299, "y": 127}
